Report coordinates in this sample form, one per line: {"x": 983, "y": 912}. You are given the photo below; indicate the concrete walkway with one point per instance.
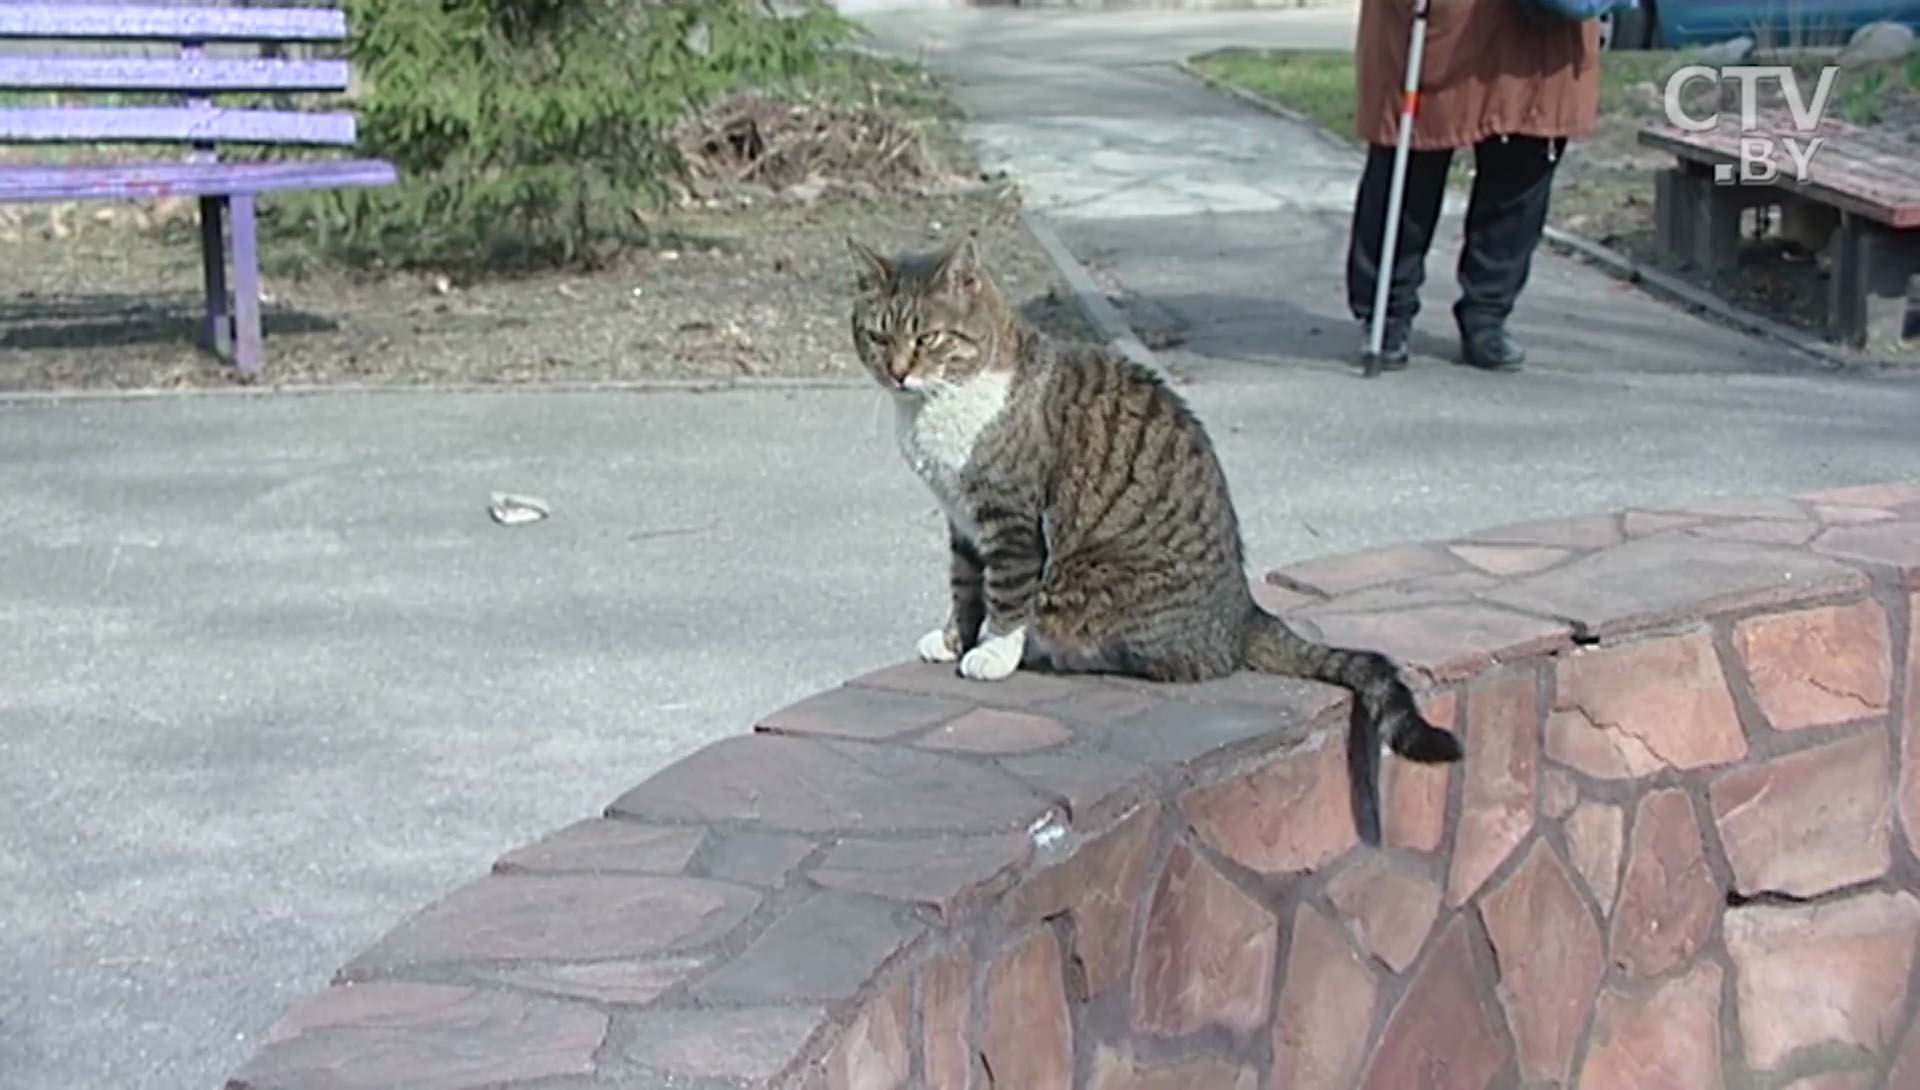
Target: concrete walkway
{"x": 272, "y": 680}
{"x": 1227, "y": 226}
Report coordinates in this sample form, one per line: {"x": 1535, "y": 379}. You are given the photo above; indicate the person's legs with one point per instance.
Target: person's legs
{"x": 1513, "y": 179}
{"x": 1419, "y": 211}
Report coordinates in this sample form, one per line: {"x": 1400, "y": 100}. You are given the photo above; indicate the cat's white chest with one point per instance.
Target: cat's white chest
{"x": 938, "y": 434}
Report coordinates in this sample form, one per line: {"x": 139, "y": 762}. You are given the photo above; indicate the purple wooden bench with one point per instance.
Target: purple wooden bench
{"x": 121, "y": 61}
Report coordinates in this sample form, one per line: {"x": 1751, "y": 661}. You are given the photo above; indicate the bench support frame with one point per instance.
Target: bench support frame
{"x": 1698, "y": 221}
{"x": 1868, "y": 294}
{"x": 229, "y": 245}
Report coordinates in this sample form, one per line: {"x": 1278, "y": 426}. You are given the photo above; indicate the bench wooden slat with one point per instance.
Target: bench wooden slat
{"x": 184, "y": 179}
{"x": 203, "y": 74}
{"x": 1855, "y": 170}
{"x": 87, "y": 124}
{"x": 157, "y": 23}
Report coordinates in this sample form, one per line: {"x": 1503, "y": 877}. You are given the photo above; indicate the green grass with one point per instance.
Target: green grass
{"x": 1319, "y": 83}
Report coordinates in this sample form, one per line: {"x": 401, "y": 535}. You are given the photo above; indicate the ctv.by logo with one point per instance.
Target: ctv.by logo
{"x": 1759, "y": 162}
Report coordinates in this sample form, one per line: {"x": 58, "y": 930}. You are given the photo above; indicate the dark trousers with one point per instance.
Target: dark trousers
{"x": 1513, "y": 178}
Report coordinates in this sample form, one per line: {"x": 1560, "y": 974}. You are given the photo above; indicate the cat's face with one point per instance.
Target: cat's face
{"x": 923, "y": 322}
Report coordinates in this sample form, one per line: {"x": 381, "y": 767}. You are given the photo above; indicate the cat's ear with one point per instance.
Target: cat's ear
{"x": 960, "y": 266}
{"x": 870, "y": 269}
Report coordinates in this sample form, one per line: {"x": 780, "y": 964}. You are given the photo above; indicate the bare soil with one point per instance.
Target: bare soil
{"x": 753, "y": 285}
{"x": 765, "y": 295}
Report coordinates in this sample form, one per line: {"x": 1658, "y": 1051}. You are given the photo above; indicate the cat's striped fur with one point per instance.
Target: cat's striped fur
{"x": 1089, "y": 521}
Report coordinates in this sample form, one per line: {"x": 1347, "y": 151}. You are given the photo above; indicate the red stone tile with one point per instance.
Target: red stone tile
{"x": 1657, "y": 580}
{"x": 1274, "y": 598}
{"x": 1905, "y": 1072}
{"x": 814, "y": 785}
{"x": 1092, "y": 787}
{"x": 821, "y": 951}
{"x": 1452, "y": 588}
{"x": 1582, "y": 532}
{"x": 1325, "y": 1011}
{"x": 861, "y": 713}
{"x": 423, "y": 1035}
{"x": 1548, "y": 949}
{"x": 1636, "y": 708}
{"x": 1758, "y": 532}
{"x": 1496, "y": 811}
{"x": 1668, "y": 898}
{"x": 1029, "y": 1031}
{"x": 1101, "y": 884}
{"x": 1643, "y": 523}
{"x": 1023, "y": 688}
{"x": 1443, "y": 643}
{"x": 1297, "y": 699}
{"x": 632, "y": 983}
{"x": 1887, "y": 494}
{"x": 1833, "y": 972}
{"x": 1558, "y": 793}
{"x": 1114, "y": 1069}
{"x": 1838, "y": 1080}
{"x": 1440, "y": 1036}
{"x": 580, "y": 917}
{"x": 1351, "y": 571}
{"x": 1413, "y": 795}
{"x": 1104, "y": 704}
{"x": 1663, "y": 1038}
{"x": 1893, "y": 545}
{"x": 1510, "y": 559}
{"x": 755, "y": 858}
{"x": 946, "y": 998}
{"x": 876, "y": 1052}
{"x": 997, "y": 730}
{"x": 1910, "y": 732}
{"x": 1815, "y": 667}
{"x": 605, "y": 845}
{"x": 1834, "y": 514}
{"x": 1206, "y": 953}
{"x": 1595, "y": 833}
{"x": 945, "y": 873}
{"x": 1762, "y": 508}
{"x": 752, "y": 1045}
{"x": 1810, "y": 821}
{"x": 1292, "y": 813}
{"x": 1205, "y": 732}
{"x": 1388, "y": 909}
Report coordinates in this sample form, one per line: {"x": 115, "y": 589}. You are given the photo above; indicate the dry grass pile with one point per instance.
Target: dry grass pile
{"x": 751, "y": 143}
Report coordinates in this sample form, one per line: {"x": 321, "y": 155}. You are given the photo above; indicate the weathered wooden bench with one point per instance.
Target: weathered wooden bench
{"x": 1860, "y": 190}
{"x": 203, "y": 50}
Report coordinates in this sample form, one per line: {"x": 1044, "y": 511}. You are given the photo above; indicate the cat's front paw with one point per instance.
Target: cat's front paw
{"x": 935, "y": 646}
{"x": 996, "y": 657}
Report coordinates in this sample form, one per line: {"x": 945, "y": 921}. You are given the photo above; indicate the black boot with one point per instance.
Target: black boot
{"x": 1393, "y": 342}
{"x": 1487, "y": 346}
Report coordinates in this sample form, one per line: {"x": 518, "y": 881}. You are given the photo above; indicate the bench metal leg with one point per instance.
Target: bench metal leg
{"x": 216, "y": 333}
{"x": 246, "y": 287}
{"x": 1867, "y": 301}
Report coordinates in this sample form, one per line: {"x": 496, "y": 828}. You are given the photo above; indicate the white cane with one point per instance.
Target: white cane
{"x": 1396, "y": 190}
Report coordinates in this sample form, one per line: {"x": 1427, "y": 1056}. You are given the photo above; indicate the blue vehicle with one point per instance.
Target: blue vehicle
{"x": 1673, "y": 24}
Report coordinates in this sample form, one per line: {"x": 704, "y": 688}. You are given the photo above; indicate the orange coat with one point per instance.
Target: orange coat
{"x": 1489, "y": 68}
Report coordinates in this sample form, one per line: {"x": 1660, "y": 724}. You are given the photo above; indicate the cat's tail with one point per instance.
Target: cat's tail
{"x": 1383, "y": 706}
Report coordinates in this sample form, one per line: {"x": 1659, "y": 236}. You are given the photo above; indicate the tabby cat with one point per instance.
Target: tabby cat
{"x": 1088, "y": 519}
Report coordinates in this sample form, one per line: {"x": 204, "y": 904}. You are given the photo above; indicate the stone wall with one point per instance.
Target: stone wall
{"x": 1679, "y": 855}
